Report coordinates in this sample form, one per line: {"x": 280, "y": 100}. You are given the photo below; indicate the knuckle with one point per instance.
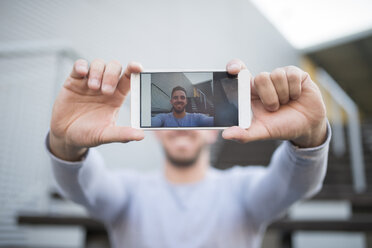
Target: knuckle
{"x": 98, "y": 63}
{"x": 236, "y": 60}
{"x": 277, "y": 75}
{"x": 261, "y": 78}
{"x": 132, "y": 64}
{"x": 293, "y": 76}
{"x": 95, "y": 73}
{"x": 129, "y": 67}
{"x": 96, "y": 70}
{"x": 293, "y": 68}
{"x": 116, "y": 63}
{"x": 113, "y": 68}
{"x": 80, "y": 62}
{"x": 111, "y": 77}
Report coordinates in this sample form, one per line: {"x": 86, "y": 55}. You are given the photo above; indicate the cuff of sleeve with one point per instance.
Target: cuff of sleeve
{"x": 308, "y": 153}
{"x": 61, "y": 162}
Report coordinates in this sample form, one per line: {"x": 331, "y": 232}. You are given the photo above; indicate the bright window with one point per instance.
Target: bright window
{"x": 307, "y": 23}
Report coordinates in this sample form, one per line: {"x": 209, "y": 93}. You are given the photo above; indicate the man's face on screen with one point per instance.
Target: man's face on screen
{"x": 179, "y": 101}
{"x": 183, "y": 147}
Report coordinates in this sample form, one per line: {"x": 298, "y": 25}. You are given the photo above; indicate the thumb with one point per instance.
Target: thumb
{"x": 121, "y": 134}
{"x": 254, "y": 132}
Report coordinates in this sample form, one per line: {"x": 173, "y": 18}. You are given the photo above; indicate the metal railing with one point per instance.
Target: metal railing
{"x": 342, "y": 101}
{"x": 203, "y": 98}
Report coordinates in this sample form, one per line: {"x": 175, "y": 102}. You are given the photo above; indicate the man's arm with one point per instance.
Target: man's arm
{"x": 293, "y": 174}
{"x": 87, "y": 182}
{"x": 286, "y": 105}
{"x": 157, "y": 121}
{"x": 205, "y": 120}
{"x": 84, "y": 116}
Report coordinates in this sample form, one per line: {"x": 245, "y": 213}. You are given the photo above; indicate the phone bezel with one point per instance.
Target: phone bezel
{"x": 244, "y": 101}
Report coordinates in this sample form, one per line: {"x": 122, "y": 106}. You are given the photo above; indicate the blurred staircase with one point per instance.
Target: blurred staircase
{"x": 338, "y": 187}
{"x": 197, "y": 106}
{"x": 338, "y": 183}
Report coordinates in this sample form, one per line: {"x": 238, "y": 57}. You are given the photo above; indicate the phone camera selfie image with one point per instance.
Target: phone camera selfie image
{"x": 184, "y": 100}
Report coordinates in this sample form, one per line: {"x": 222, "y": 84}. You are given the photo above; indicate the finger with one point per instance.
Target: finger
{"x": 254, "y": 132}
{"x": 279, "y": 79}
{"x": 294, "y": 81}
{"x": 96, "y": 70}
{"x": 80, "y": 69}
{"x": 124, "y": 82}
{"x": 266, "y": 91}
{"x": 254, "y": 94}
{"x": 111, "y": 77}
{"x": 234, "y": 66}
{"x": 121, "y": 134}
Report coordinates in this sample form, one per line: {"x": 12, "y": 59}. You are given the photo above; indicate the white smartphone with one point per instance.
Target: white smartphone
{"x": 190, "y": 100}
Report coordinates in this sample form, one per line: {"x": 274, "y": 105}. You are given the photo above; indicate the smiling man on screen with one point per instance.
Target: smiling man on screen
{"x": 188, "y": 204}
{"x": 178, "y": 117}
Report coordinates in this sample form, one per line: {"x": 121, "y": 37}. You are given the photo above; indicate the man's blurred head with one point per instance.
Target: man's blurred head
{"x": 183, "y": 148}
{"x": 178, "y": 99}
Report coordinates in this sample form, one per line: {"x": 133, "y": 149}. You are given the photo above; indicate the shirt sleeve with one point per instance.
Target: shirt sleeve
{"x": 206, "y": 121}
{"x": 104, "y": 193}
{"x": 157, "y": 121}
{"x": 293, "y": 174}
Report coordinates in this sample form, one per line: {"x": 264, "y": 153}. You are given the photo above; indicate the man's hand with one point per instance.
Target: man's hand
{"x": 85, "y": 111}
{"x": 286, "y": 104}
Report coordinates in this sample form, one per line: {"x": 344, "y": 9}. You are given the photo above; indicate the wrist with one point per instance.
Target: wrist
{"x": 64, "y": 151}
{"x": 314, "y": 137}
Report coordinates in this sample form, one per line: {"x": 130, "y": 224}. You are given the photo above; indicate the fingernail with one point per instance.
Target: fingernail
{"x": 94, "y": 82}
{"x": 81, "y": 68}
{"x": 234, "y": 67}
{"x": 107, "y": 88}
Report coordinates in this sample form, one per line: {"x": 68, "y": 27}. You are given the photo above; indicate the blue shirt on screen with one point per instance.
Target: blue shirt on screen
{"x": 190, "y": 120}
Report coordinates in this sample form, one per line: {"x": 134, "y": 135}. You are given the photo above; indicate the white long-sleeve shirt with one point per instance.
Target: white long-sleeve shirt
{"x": 229, "y": 208}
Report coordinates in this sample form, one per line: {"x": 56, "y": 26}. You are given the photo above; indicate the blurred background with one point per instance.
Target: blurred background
{"x": 39, "y": 40}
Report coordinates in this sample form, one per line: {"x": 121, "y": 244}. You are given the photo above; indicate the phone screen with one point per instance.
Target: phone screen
{"x": 188, "y": 99}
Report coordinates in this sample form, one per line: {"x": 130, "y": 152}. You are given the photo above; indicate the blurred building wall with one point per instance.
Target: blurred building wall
{"x": 160, "y": 34}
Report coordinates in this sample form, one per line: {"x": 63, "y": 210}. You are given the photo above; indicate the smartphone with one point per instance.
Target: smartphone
{"x": 190, "y": 100}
